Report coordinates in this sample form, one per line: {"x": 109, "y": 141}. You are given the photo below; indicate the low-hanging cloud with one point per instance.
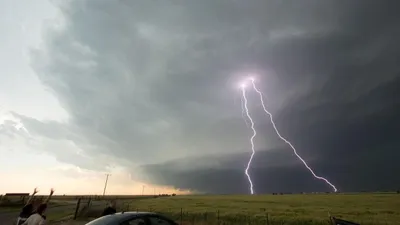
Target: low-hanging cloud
{"x": 147, "y": 82}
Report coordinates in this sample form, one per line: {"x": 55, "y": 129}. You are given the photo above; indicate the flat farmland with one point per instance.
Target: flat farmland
{"x": 312, "y": 209}
{"x": 305, "y": 209}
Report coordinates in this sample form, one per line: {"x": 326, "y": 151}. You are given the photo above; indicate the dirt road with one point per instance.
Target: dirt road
{"x": 7, "y": 218}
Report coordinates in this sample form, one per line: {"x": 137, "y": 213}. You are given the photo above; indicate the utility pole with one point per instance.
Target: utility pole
{"x": 143, "y": 190}
{"x": 105, "y": 185}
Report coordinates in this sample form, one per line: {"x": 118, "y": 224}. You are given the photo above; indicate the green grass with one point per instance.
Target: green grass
{"x": 59, "y": 215}
{"x": 4, "y": 209}
{"x": 377, "y": 209}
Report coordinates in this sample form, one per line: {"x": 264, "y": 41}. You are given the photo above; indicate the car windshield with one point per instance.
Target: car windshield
{"x": 105, "y": 220}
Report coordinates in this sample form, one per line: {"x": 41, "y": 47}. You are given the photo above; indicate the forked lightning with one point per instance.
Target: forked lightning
{"x": 243, "y": 86}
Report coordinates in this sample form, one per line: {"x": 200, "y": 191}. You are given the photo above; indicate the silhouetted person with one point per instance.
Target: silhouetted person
{"x": 110, "y": 209}
{"x": 28, "y": 208}
{"x": 31, "y": 206}
{"x": 38, "y": 218}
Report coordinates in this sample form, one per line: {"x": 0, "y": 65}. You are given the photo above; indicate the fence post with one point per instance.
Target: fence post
{"x": 89, "y": 203}
{"x": 77, "y": 208}
{"x": 181, "y": 215}
{"x": 217, "y": 217}
{"x": 266, "y": 216}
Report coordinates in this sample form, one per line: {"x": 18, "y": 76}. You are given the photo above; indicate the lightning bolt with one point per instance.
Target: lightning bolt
{"x": 244, "y": 99}
{"x": 243, "y": 111}
{"x": 281, "y": 137}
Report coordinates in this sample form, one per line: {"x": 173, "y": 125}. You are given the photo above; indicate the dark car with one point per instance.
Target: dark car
{"x": 133, "y": 218}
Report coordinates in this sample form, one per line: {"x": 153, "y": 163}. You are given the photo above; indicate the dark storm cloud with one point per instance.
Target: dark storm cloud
{"x": 345, "y": 121}
{"x": 355, "y": 153}
{"x": 151, "y": 81}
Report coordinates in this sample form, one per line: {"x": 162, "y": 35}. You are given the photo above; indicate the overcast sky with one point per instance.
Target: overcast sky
{"x": 148, "y": 91}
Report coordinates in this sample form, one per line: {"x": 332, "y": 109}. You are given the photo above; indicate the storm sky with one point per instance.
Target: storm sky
{"x": 150, "y": 88}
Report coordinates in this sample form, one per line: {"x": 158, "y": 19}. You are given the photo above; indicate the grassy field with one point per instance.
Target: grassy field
{"x": 308, "y": 209}
{"x": 312, "y": 209}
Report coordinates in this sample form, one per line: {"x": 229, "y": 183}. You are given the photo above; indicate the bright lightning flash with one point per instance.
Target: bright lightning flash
{"x": 243, "y": 86}
{"x": 283, "y": 139}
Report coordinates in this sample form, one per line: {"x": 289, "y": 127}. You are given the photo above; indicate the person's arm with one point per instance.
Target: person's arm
{"x": 31, "y": 197}
{"x": 51, "y": 194}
